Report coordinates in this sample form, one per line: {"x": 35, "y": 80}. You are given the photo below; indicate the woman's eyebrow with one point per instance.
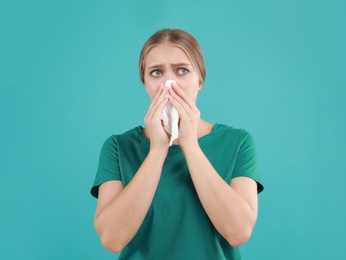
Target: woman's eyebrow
{"x": 155, "y": 66}
{"x": 180, "y": 64}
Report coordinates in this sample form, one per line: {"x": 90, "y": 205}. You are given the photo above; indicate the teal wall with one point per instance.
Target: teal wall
{"x": 69, "y": 79}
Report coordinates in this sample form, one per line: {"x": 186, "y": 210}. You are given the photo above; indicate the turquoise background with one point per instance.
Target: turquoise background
{"x": 69, "y": 79}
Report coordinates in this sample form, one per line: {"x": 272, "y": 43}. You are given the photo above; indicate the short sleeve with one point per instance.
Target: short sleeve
{"x": 108, "y": 167}
{"x": 246, "y": 164}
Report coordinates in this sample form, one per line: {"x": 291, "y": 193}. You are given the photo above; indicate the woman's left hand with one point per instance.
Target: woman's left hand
{"x": 189, "y": 116}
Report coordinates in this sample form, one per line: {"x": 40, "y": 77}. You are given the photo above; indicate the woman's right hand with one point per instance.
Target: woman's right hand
{"x": 154, "y": 129}
{"x": 121, "y": 210}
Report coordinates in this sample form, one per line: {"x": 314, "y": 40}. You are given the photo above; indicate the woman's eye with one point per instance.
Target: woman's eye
{"x": 156, "y": 73}
{"x": 182, "y": 71}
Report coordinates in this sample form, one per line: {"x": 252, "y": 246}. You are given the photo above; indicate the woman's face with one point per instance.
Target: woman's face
{"x": 167, "y": 61}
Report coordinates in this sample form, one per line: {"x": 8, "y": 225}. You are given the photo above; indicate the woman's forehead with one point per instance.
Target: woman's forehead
{"x": 167, "y": 52}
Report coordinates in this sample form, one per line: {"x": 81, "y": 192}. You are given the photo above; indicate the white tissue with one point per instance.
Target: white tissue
{"x": 170, "y": 117}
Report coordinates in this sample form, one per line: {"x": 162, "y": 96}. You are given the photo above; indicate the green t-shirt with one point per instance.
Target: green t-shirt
{"x": 176, "y": 225}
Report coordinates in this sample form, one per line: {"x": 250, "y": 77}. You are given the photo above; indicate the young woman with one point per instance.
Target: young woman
{"x": 196, "y": 199}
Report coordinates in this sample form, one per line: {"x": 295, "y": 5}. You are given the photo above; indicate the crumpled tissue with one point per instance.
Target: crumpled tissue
{"x": 170, "y": 117}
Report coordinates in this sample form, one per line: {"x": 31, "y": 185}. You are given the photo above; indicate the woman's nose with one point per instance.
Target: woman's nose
{"x": 169, "y": 76}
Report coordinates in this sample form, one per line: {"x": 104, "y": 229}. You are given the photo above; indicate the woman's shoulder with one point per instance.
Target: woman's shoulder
{"x": 230, "y": 130}
{"x": 133, "y": 134}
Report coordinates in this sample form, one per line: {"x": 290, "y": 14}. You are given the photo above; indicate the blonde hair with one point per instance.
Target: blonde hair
{"x": 181, "y": 39}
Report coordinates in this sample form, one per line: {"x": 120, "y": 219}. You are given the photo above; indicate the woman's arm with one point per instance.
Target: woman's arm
{"x": 121, "y": 211}
{"x": 232, "y": 208}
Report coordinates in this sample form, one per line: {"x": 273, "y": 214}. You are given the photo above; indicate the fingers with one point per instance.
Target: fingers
{"x": 159, "y": 92}
{"x": 156, "y": 106}
{"x": 181, "y": 100}
{"x": 189, "y": 115}
{"x": 177, "y": 102}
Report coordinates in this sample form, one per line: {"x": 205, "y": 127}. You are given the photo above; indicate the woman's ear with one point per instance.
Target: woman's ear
{"x": 200, "y": 86}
